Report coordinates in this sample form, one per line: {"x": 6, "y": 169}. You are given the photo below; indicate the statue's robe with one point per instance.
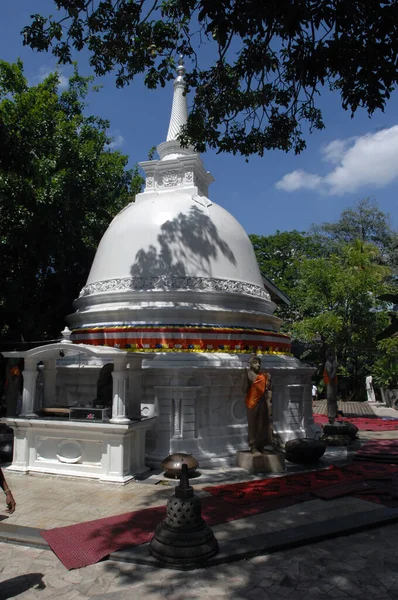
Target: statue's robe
{"x": 258, "y": 414}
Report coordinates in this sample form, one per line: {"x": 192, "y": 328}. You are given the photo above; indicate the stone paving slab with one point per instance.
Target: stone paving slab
{"x": 268, "y": 532}
{"x": 362, "y": 565}
{"x": 47, "y": 501}
{"x": 359, "y": 409}
{"x": 263, "y": 543}
{"x": 26, "y": 536}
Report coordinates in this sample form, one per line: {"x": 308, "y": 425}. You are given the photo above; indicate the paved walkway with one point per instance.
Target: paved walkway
{"x": 360, "y": 409}
{"x": 363, "y": 565}
{"x": 360, "y": 564}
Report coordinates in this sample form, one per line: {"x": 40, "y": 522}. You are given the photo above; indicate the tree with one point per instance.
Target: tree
{"x": 264, "y": 65}
{"x": 386, "y": 365}
{"x": 338, "y": 299}
{"x": 392, "y": 329}
{"x": 279, "y": 257}
{"x": 60, "y": 186}
{"x": 365, "y": 222}
{"x": 280, "y": 254}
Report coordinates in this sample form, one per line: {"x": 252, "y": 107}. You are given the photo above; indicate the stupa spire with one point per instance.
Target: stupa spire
{"x": 179, "y": 110}
{"x": 179, "y": 167}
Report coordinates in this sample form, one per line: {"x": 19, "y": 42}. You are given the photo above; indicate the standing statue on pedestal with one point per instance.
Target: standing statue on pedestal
{"x": 330, "y": 379}
{"x": 258, "y": 407}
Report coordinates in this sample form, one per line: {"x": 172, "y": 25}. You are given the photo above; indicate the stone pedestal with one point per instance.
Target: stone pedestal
{"x": 261, "y": 463}
{"x": 113, "y": 453}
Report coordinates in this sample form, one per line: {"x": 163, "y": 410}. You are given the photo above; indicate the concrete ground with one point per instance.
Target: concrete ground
{"x": 363, "y": 563}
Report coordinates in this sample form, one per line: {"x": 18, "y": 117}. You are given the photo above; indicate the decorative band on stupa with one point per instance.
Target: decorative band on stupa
{"x": 171, "y": 283}
{"x": 184, "y": 338}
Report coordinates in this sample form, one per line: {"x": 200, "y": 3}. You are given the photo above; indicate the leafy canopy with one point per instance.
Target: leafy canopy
{"x": 341, "y": 281}
{"x": 386, "y": 365}
{"x": 60, "y": 186}
{"x": 338, "y": 296}
{"x": 280, "y": 254}
{"x": 366, "y": 222}
{"x": 258, "y": 66}
{"x": 340, "y": 308}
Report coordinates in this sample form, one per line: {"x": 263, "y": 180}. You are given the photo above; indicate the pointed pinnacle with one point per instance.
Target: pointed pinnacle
{"x": 184, "y": 479}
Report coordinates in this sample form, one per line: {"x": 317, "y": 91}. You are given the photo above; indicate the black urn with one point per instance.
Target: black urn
{"x": 304, "y": 451}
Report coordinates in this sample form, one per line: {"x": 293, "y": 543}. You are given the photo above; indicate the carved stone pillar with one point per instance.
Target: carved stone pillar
{"x": 29, "y": 389}
{"x": 120, "y": 378}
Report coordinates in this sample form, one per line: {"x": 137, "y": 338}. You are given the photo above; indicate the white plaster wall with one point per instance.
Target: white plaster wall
{"x": 114, "y": 453}
{"x": 202, "y": 410}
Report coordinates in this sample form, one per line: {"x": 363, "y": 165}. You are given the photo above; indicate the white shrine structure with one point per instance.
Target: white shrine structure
{"x": 176, "y": 303}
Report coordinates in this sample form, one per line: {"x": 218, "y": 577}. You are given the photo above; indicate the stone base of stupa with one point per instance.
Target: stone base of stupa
{"x": 266, "y": 462}
{"x": 199, "y": 406}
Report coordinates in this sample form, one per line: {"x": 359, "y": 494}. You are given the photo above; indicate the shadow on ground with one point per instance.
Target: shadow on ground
{"x": 18, "y": 585}
{"x": 315, "y": 572}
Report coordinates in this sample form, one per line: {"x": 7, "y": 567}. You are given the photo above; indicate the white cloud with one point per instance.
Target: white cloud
{"x": 45, "y": 72}
{"x": 298, "y": 179}
{"x": 117, "y": 141}
{"x": 366, "y": 161}
{"x": 334, "y": 151}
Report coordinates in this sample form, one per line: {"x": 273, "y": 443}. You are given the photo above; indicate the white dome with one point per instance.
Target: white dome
{"x": 170, "y": 234}
{"x": 175, "y": 271}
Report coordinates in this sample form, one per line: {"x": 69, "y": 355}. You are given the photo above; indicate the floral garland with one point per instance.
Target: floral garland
{"x": 221, "y": 349}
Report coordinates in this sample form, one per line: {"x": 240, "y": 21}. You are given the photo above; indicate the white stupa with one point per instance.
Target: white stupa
{"x": 175, "y": 283}
{"x": 174, "y": 258}
{"x": 173, "y": 307}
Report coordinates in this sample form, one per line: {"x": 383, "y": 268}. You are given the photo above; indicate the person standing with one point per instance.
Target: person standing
{"x": 10, "y": 502}
{"x": 314, "y": 392}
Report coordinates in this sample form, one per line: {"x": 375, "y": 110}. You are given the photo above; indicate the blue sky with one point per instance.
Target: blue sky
{"x": 349, "y": 160}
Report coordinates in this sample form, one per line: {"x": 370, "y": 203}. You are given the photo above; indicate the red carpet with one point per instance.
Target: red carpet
{"x": 385, "y": 451}
{"x": 84, "y": 544}
{"x": 343, "y": 489}
{"x": 364, "y": 423}
{"x": 292, "y": 485}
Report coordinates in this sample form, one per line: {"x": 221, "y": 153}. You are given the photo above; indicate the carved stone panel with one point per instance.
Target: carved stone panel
{"x": 171, "y": 283}
{"x": 169, "y": 179}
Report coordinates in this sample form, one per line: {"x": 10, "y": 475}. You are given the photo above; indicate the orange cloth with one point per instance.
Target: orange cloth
{"x": 327, "y": 379}
{"x": 14, "y": 372}
{"x": 256, "y": 391}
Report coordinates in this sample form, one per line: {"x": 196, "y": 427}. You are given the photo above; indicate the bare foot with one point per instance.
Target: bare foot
{"x": 255, "y": 451}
